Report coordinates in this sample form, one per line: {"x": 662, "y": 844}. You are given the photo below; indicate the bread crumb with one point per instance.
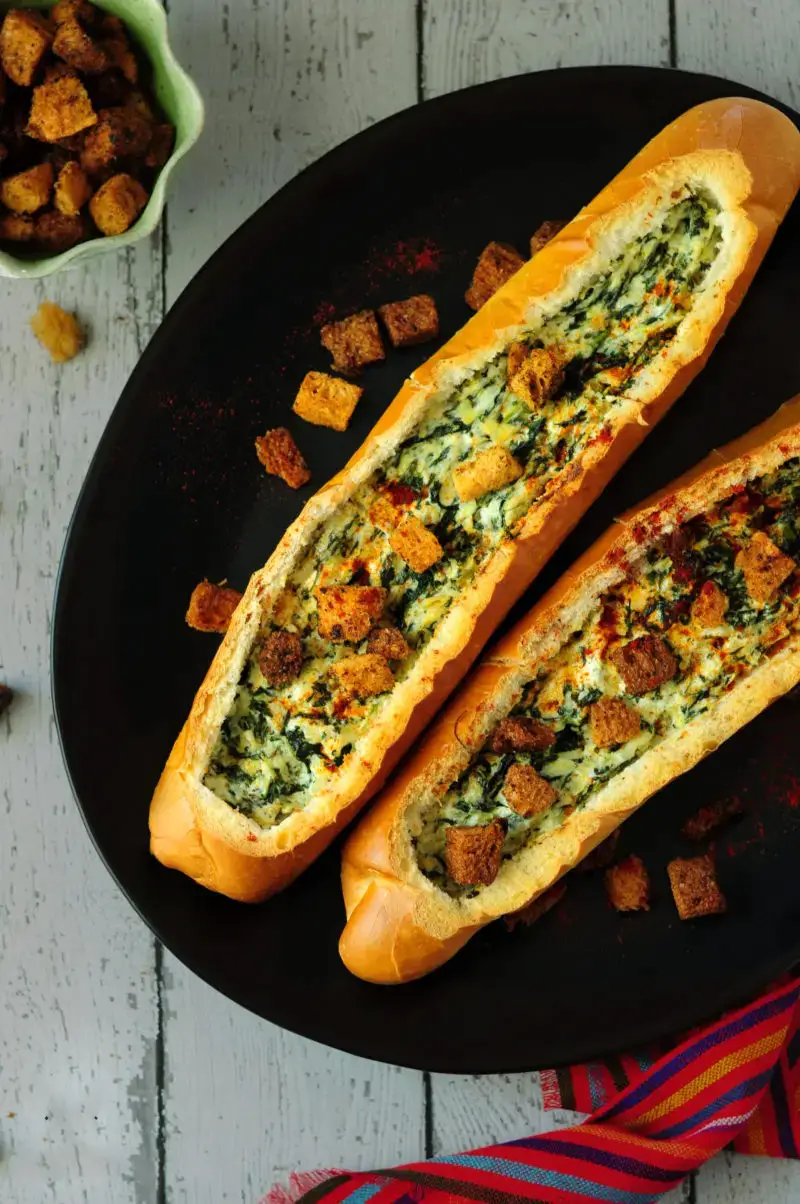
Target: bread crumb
{"x": 58, "y": 331}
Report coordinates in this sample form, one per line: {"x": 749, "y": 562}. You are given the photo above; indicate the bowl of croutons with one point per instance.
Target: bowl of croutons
{"x": 95, "y": 114}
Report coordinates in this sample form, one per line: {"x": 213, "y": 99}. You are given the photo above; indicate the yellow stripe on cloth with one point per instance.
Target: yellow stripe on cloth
{"x": 714, "y": 1073}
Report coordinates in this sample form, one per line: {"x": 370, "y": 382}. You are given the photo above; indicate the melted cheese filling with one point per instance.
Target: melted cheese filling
{"x": 655, "y": 599}
{"x": 278, "y": 745}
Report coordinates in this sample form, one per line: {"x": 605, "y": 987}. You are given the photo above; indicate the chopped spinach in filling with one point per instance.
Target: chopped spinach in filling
{"x": 655, "y": 600}
{"x": 278, "y": 745}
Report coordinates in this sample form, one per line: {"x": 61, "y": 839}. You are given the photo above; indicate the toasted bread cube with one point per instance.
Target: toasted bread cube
{"x": 161, "y": 145}
{"x": 538, "y": 377}
{"x": 628, "y": 885}
{"x": 118, "y": 49}
{"x": 710, "y": 605}
{"x": 57, "y": 232}
{"x": 527, "y": 792}
{"x": 710, "y": 819}
{"x": 58, "y": 331}
{"x": 613, "y": 721}
{"x": 488, "y": 471}
{"x": 644, "y": 663}
{"x": 78, "y": 50}
{"x": 518, "y": 733}
{"x": 515, "y": 358}
{"x": 327, "y": 401}
{"x": 281, "y": 657}
{"x": 410, "y": 322}
{"x": 497, "y": 264}
{"x": 389, "y": 643}
{"x": 694, "y": 887}
{"x": 764, "y": 566}
{"x": 24, "y": 41}
{"x": 14, "y": 228}
{"x": 73, "y": 189}
{"x": 363, "y": 676}
{"x": 117, "y": 204}
{"x": 60, "y": 108}
{"x": 544, "y": 233}
{"x": 281, "y": 457}
{"x": 384, "y": 515}
{"x": 72, "y": 10}
{"x": 353, "y": 342}
{"x": 211, "y": 607}
{"x": 28, "y": 190}
{"x": 473, "y": 855}
{"x": 119, "y": 132}
{"x": 414, "y": 543}
{"x": 349, "y": 612}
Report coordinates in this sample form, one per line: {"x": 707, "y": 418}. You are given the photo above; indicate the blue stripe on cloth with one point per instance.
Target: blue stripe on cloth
{"x": 749, "y": 1087}
{"x": 597, "y": 1089}
{"x": 545, "y": 1178}
{"x": 362, "y": 1194}
{"x": 793, "y": 1049}
{"x": 717, "y": 1037}
{"x": 589, "y": 1153}
{"x": 782, "y": 1117}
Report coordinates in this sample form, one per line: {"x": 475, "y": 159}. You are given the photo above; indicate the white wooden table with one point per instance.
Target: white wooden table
{"x": 122, "y": 1077}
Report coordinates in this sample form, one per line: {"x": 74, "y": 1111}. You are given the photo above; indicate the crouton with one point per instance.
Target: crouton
{"x": 57, "y": 232}
{"x": 544, "y": 233}
{"x": 73, "y": 189}
{"x": 14, "y": 228}
{"x": 74, "y": 46}
{"x": 6, "y": 698}
{"x": 28, "y": 190}
{"x": 281, "y": 457}
{"x": 694, "y": 887}
{"x": 414, "y": 543}
{"x": 161, "y": 144}
{"x": 281, "y": 657}
{"x": 58, "y": 331}
{"x": 24, "y": 41}
{"x": 628, "y": 885}
{"x": 384, "y": 515}
{"x": 410, "y": 322}
{"x": 473, "y": 855}
{"x": 710, "y": 605}
{"x": 363, "y": 676}
{"x": 489, "y": 470}
{"x": 389, "y": 643}
{"x": 644, "y": 663}
{"x": 117, "y": 204}
{"x": 613, "y": 721}
{"x": 353, "y": 342}
{"x": 526, "y": 792}
{"x": 71, "y": 10}
{"x": 533, "y": 911}
{"x": 710, "y": 819}
{"x": 326, "y": 400}
{"x": 518, "y": 733}
{"x": 60, "y": 108}
{"x": 349, "y": 612}
{"x": 538, "y": 377}
{"x": 497, "y": 264}
{"x": 118, "y": 49}
{"x": 764, "y": 566}
{"x": 515, "y": 358}
{"x": 119, "y": 132}
{"x": 211, "y": 607}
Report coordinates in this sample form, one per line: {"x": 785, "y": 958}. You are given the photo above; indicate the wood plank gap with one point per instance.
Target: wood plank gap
{"x": 427, "y": 1096}
{"x": 691, "y": 1188}
{"x": 673, "y": 33}
{"x": 420, "y": 17}
{"x": 160, "y": 1074}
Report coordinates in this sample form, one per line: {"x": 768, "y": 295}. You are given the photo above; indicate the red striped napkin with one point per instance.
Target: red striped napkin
{"x": 652, "y": 1122}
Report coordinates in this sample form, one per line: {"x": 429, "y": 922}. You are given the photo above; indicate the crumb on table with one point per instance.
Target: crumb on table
{"x": 58, "y": 331}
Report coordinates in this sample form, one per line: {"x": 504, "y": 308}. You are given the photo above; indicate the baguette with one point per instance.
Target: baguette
{"x": 404, "y": 922}
{"x": 263, "y": 776}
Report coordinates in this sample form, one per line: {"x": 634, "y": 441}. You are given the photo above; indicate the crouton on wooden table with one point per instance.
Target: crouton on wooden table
{"x": 211, "y": 607}
{"x": 473, "y": 854}
{"x": 326, "y": 401}
{"x": 58, "y": 331}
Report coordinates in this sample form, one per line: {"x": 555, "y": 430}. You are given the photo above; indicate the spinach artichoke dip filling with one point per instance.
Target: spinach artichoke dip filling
{"x": 700, "y": 610}
{"x": 290, "y": 730}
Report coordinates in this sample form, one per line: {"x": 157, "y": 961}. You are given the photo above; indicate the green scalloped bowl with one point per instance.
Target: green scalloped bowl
{"x": 182, "y": 104}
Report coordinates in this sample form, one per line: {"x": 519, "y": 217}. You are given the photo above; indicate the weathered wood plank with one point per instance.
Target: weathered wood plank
{"x": 78, "y": 1018}
{"x": 472, "y": 41}
{"x": 284, "y": 81}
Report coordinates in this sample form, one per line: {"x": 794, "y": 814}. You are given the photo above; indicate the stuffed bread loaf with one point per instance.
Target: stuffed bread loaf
{"x": 458, "y": 497}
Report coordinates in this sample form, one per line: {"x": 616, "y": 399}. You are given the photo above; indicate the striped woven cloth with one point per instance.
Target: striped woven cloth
{"x": 736, "y": 1082}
